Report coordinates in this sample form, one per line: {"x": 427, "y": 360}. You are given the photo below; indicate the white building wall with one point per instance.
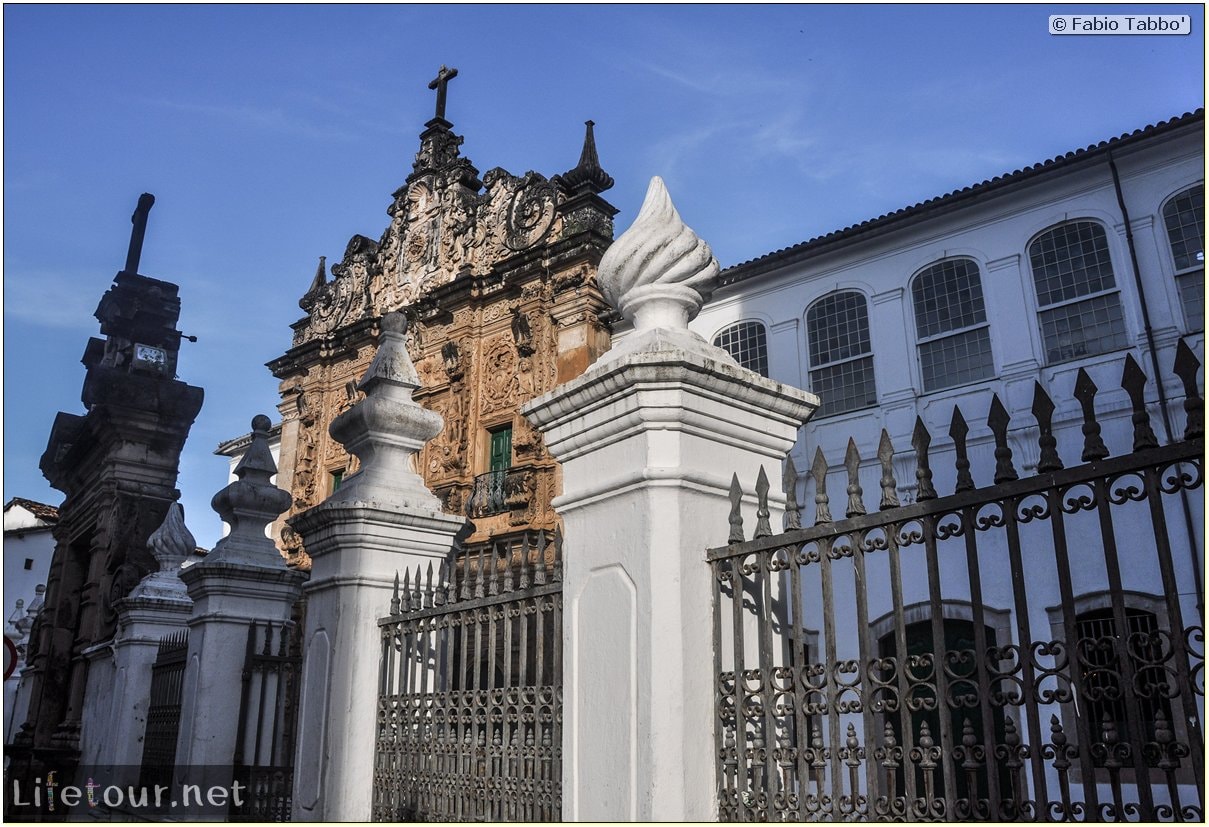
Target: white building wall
{"x": 27, "y": 542}
{"x": 995, "y": 232}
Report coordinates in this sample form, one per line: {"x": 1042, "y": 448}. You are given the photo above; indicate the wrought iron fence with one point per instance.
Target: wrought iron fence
{"x": 264, "y": 747}
{"x": 1027, "y": 650}
{"x": 470, "y": 697}
{"x": 164, "y": 710}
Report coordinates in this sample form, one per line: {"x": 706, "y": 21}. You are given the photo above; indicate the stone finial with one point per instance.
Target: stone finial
{"x": 248, "y": 505}
{"x": 25, "y": 624}
{"x": 391, "y": 364}
{"x": 170, "y": 544}
{"x": 35, "y": 607}
{"x": 11, "y": 628}
{"x": 659, "y": 272}
{"x": 386, "y": 428}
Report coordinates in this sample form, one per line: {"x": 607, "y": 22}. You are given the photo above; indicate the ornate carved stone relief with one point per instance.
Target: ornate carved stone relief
{"x": 440, "y": 230}
{"x": 497, "y": 392}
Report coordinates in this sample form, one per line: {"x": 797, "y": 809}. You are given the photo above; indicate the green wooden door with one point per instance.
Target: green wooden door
{"x": 501, "y": 449}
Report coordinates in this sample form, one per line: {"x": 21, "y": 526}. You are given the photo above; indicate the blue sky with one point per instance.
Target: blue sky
{"x": 271, "y": 134}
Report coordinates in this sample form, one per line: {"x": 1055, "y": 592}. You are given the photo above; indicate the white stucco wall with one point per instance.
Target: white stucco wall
{"x": 27, "y": 541}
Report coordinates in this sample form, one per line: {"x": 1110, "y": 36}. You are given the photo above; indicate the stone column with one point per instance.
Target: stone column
{"x": 380, "y": 522}
{"x": 243, "y": 580}
{"x": 648, "y": 439}
{"x": 119, "y": 677}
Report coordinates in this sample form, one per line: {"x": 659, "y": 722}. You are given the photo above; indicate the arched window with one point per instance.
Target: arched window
{"x": 951, "y": 323}
{"x": 1184, "y": 216}
{"x": 747, "y": 342}
{"x": 841, "y": 358}
{"x": 1077, "y": 296}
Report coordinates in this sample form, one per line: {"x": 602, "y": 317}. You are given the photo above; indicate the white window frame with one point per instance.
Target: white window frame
{"x": 1191, "y": 324}
{"x": 920, "y": 341}
{"x": 740, "y": 323}
{"x": 1043, "y": 309}
{"x": 812, "y": 367}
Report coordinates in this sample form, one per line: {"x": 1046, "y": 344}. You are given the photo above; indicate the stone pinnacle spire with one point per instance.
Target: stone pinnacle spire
{"x": 587, "y": 175}
{"x": 308, "y": 298}
{"x": 249, "y": 504}
{"x": 320, "y": 274}
{"x": 386, "y": 428}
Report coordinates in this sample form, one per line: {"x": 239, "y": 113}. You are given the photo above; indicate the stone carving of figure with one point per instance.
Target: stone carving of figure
{"x": 452, "y": 355}
{"x": 455, "y": 425}
{"x": 522, "y": 334}
{"x": 525, "y": 387}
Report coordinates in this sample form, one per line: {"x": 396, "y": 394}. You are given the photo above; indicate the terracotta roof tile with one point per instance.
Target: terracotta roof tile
{"x": 40, "y": 510}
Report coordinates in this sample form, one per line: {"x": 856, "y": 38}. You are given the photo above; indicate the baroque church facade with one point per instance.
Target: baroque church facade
{"x": 497, "y": 277}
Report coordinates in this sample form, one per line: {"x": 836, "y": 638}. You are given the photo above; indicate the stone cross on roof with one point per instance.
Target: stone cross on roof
{"x": 440, "y": 82}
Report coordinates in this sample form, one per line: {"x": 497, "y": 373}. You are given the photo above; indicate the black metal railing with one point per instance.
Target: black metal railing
{"x": 164, "y": 711}
{"x": 487, "y": 495}
{"x": 264, "y": 747}
{"x": 1028, "y": 650}
{"x": 496, "y": 492}
{"x": 470, "y": 696}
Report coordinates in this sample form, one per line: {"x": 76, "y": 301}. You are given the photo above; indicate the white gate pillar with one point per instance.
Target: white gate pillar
{"x": 648, "y": 439}
{"x": 244, "y": 580}
{"x": 382, "y": 521}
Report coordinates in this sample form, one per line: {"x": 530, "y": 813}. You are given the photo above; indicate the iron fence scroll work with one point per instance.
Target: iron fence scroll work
{"x": 470, "y": 694}
{"x": 1028, "y": 650}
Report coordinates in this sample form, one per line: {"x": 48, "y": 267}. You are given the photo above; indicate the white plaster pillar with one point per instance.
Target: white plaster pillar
{"x": 381, "y": 522}
{"x": 648, "y": 439}
{"x": 242, "y": 581}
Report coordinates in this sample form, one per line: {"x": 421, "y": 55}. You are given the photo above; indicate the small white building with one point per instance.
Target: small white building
{"x": 28, "y": 545}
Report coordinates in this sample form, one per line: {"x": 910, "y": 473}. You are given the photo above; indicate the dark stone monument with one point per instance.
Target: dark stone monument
{"x": 117, "y": 467}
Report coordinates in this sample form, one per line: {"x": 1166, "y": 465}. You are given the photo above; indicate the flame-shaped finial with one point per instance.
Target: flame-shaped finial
{"x": 172, "y": 542}
{"x": 659, "y": 272}
{"x": 170, "y": 545}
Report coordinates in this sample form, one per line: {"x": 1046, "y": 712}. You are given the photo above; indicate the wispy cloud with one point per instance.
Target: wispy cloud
{"x": 269, "y": 119}
{"x": 50, "y": 298}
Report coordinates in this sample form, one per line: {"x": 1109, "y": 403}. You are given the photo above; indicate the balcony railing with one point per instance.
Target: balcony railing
{"x": 497, "y": 492}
